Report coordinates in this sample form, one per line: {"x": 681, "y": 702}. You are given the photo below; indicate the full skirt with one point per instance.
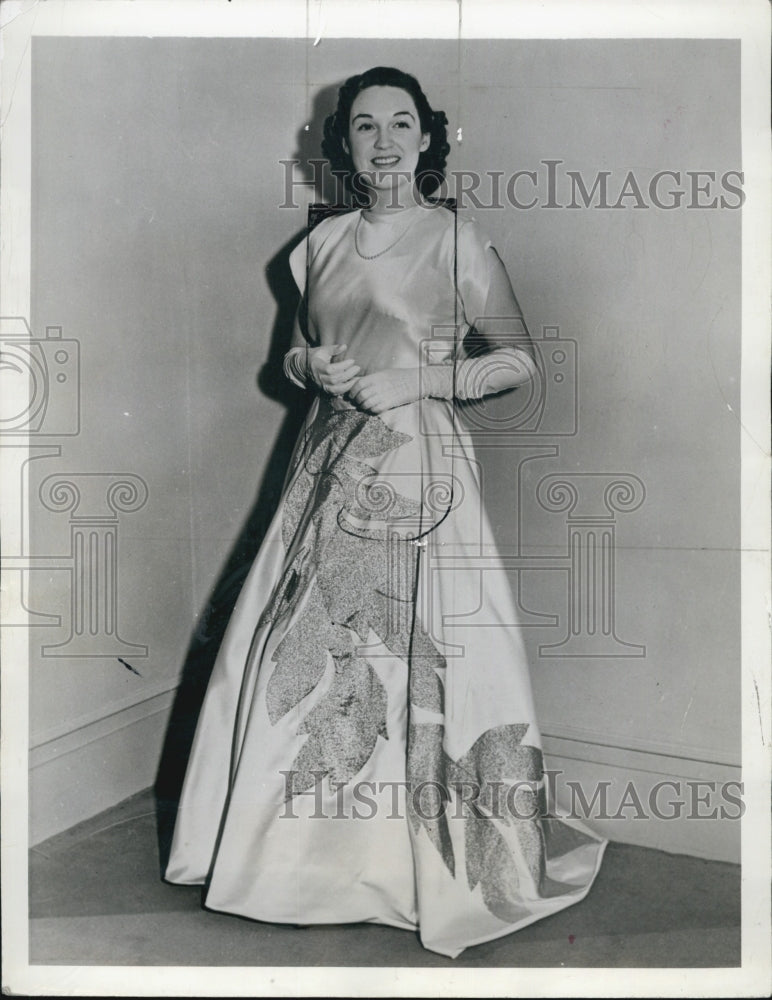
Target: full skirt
{"x": 367, "y": 749}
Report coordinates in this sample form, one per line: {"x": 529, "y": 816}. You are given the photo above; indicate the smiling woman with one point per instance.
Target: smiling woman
{"x": 348, "y": 686}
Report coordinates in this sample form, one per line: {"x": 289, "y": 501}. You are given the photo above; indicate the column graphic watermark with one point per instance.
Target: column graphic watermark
{"x": 94, "y": 502}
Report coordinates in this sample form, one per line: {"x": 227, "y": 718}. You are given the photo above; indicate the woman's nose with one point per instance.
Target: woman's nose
{"x": 382, "y": 140}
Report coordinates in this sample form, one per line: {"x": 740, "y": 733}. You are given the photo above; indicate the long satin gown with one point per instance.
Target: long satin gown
{"x": 367, "y": 749}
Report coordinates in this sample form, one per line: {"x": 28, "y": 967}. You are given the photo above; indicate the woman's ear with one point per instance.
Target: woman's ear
{"x": 426, "y": 140}
{"x": 344, "y": 143}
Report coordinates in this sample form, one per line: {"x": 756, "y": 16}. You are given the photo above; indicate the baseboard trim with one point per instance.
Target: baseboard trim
{"x": 101, "y": 770}
{"x": 82, "y": 730}
{"x": 634, "y": 759}
{"x": 661, "y": 749}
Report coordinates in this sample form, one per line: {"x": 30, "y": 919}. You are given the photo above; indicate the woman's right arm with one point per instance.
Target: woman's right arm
{"x": 304, "y": 364}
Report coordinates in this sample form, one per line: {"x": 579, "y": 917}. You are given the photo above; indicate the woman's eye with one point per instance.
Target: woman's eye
{"x": 402, "y": 124}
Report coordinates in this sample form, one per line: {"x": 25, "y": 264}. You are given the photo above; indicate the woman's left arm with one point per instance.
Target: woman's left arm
{"x": 507, "y": 358}
{"x": 503, "y": 355}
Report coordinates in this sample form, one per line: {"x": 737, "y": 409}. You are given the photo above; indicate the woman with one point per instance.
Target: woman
{"x": 364, "y": 753}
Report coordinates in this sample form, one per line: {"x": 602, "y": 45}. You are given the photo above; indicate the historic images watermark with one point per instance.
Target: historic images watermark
{"x": 551, "y": 798}
{"x": 551, "y": 184}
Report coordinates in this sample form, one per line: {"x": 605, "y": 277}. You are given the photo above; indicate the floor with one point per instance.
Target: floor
{"x": 96, "y": 898}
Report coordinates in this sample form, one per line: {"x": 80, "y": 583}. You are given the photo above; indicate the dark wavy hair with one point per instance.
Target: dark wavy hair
{"x": 430, "y": 170}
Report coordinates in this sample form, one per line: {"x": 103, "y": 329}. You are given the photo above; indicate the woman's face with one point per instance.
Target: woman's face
{"x": 385, "y": 137}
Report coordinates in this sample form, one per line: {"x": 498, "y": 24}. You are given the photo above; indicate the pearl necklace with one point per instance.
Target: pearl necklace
{"x": 372, "y": 256}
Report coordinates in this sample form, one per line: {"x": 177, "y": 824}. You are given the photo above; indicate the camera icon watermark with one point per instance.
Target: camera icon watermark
{"x": 40, "y": 380}
{"x": 544, "y": 406}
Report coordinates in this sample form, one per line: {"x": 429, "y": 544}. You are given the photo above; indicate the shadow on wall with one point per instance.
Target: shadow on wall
{"x": 208, "y": 634}
{"x": 312, "y": 169}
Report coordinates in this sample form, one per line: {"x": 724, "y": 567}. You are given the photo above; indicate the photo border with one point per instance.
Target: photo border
{"x": 748, "y": 21}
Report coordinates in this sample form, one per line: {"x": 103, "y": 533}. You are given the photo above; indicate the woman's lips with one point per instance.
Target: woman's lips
{"x": 384, "y": 161}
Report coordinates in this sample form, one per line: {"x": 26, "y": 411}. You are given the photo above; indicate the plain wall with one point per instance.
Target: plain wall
{"x": 158, "y": 243}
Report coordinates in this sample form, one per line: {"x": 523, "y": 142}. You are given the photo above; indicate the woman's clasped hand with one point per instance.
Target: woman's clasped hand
{"x": 383, "y": 390}
{"x": 373, "y": 393}
{"x": 331, "y": 376}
